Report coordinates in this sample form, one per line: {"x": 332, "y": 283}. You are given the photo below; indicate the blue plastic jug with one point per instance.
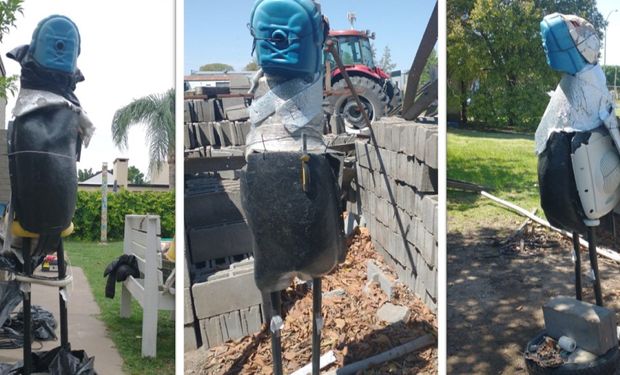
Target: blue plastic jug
{"x": 288, "y": 36}
{"x": 562, "y": 53}
{"x": 55, "y": 44}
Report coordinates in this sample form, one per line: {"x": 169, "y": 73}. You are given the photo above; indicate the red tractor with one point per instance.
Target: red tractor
{"x": 378, "y": 94}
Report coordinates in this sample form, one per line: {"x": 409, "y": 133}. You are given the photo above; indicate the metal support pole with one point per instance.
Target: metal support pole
{"x": 26, "y": 249}
{"x": 317, "y": 325}
{"x": 275, "y": 327}
{"x": 594, "y": 264}
{"x": 62, "y": 273}
{"x": 577, "y": 255}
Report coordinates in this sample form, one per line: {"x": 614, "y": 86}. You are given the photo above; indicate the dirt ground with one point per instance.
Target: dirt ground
{"x": 496, "y": 292}
{"x": 351, "y": 328}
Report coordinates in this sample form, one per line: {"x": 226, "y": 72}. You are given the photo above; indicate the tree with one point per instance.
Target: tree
{"x": 85, "y": 174}
{"x": 216, "y": 67}
{"x": 134, "y": 176}
{"x": 8, "y": 16}
{"x": 430, "y": 69}
{"x": 386, "y": 61}
{"x": 252, "y": 66}
{"x": 156, "y": 112}
{"x": 497, "y": 71}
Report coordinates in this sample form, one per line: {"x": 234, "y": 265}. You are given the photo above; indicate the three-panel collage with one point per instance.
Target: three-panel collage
{"x": 307, "y": 187}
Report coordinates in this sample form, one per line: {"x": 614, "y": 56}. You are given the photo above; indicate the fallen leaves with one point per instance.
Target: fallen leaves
{"x": 350, "y": 329}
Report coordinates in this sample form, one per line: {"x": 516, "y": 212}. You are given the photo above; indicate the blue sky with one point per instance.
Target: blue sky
{"x": 613, "y": 30}
{"x": 216, "y": 31}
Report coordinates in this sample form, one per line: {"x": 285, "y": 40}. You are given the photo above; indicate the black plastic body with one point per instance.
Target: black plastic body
{"x": 558, "y": 192}
{"x": 43, "y": 147}
{"x": 297, "y": 232}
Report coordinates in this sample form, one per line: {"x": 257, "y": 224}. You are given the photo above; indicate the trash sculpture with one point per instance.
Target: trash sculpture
{"x": 289, "y": 188}
{"x": 577, "y": 140}
{"x": 44, "y": 144}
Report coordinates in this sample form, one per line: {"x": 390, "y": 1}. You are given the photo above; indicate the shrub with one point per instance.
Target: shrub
{"x": 87, "y": 219}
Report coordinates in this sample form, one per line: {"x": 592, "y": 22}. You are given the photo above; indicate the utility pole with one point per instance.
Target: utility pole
{"x": 606, "y": 23}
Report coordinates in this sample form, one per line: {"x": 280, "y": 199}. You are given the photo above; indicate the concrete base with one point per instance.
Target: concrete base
{"x": 592, "y": 327}
{"x": 85, "y": 330}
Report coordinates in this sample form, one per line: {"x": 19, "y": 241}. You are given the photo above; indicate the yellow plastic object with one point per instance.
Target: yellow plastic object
{"x": 171, "y": 253}
{"x": 19, "y": 231}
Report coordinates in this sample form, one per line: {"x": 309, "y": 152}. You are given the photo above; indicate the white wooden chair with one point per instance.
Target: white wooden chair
{"x": 143, "y": 240}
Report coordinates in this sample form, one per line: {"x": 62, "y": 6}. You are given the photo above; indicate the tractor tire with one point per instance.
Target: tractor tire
{"x": 605, "y": 364}
{"x": 395, "y": 96}
{"x": 370, "y": 93}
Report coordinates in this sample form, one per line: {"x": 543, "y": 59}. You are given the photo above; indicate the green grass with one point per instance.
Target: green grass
{"x": 126, "y": 333}
{"x": 504, "y": 162}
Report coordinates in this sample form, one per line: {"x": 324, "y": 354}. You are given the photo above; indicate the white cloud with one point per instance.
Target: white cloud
{"x": 127, "y": 52}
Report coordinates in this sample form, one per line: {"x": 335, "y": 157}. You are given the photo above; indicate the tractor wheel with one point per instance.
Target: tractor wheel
{"x": 371, "y": 95}
{"x": 395, "y": 96}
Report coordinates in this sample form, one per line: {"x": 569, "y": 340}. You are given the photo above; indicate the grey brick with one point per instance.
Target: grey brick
{"x": 232, "y": 321}
{"x": 592, "y": 327}
{"x": 220, "y": 241}
{"x": 233, "y": 102}
{"x": 410, "y": 146}
{"x": 225, "y": 295}
{"x": 237, "y": 113}
{"x": 189, "y": 338}
{"x": 188, "y": 310}
{"x": 429, "y": 207}
{"x": 252, "y": 318}
{"x": 430, "y": 158}
{"x": 211, "y": 331}
{"x": 421, "y": 136}
{"x": 423, "y": 179}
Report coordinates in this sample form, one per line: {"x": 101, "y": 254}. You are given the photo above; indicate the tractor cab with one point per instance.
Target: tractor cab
{"x": 356, "y": 52}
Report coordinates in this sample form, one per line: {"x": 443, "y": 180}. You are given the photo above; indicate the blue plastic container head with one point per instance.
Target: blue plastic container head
{"x": 562, "y": 53}
{"x": 55, "y": 44}
{"x": 288, "y": 36}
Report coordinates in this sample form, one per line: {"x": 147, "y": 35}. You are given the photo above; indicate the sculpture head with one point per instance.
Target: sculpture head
{"x": 55, "y": 44}
{"x": 288, "y": 37}
{"x": 570, "y": 42}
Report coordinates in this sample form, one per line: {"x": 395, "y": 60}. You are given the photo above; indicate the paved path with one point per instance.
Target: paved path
{"x": 85, "y": 330}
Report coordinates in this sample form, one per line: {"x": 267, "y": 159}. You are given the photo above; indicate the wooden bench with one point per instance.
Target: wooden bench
{"x": 143, "y": 240}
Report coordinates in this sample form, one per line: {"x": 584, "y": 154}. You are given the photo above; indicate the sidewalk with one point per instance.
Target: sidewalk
{"x": 85, "y": 330}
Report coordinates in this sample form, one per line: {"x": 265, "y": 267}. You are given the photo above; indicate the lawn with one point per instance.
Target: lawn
{"x": 126, "y": 333}
{"x": 503, "y": 162}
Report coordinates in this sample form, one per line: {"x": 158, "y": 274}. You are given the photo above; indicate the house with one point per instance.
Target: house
{"x": 118, "y": 178}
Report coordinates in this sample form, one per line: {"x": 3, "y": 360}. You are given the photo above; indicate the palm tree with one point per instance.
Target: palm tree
{"x": 156, "y": 111}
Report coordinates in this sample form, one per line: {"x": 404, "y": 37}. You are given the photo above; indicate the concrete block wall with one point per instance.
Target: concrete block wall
{"x": 228, "y": 304}
{"x": 215, "y": 134}
{"x": 224, "y": 303}
{"x": 396, "y": 194}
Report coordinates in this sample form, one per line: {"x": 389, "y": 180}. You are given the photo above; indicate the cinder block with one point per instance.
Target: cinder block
{"x": 234, "y": 102}
{"x": 189, "y": 337}
{"x": 225, "y": 295}
{"x": 220, "y": 241}
{"x": 410, "y": 145}
{"x": 232, "y": 321}
{"x": 430, "y": 158}
{"x": 211, "y": 332}
{"x": 592, "y": 327}
{"x": 421, "y": 136}
{"x": 429, "y": 207}
{"x": 213, "y": 208}
{"x": 187, "y": 112}
{"x": 252, "y": 319}
{"x": 243, "y": 129}
{"x": 237, "y": 113}
{"x": 424, "y": 179}
{"x": 188, "y": 310}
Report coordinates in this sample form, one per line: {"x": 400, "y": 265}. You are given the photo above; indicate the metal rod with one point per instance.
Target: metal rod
{"x": 276, "y": 345}
{"x": 62, "y": 273}
{"x": 317, "y": 325}
{"x": 26, "y": 249}
{"x": 576, "y": 248}
{"x": 594, "y": 264}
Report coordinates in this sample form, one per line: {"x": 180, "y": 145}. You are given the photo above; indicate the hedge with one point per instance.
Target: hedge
{"x": 87, "y": 219}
